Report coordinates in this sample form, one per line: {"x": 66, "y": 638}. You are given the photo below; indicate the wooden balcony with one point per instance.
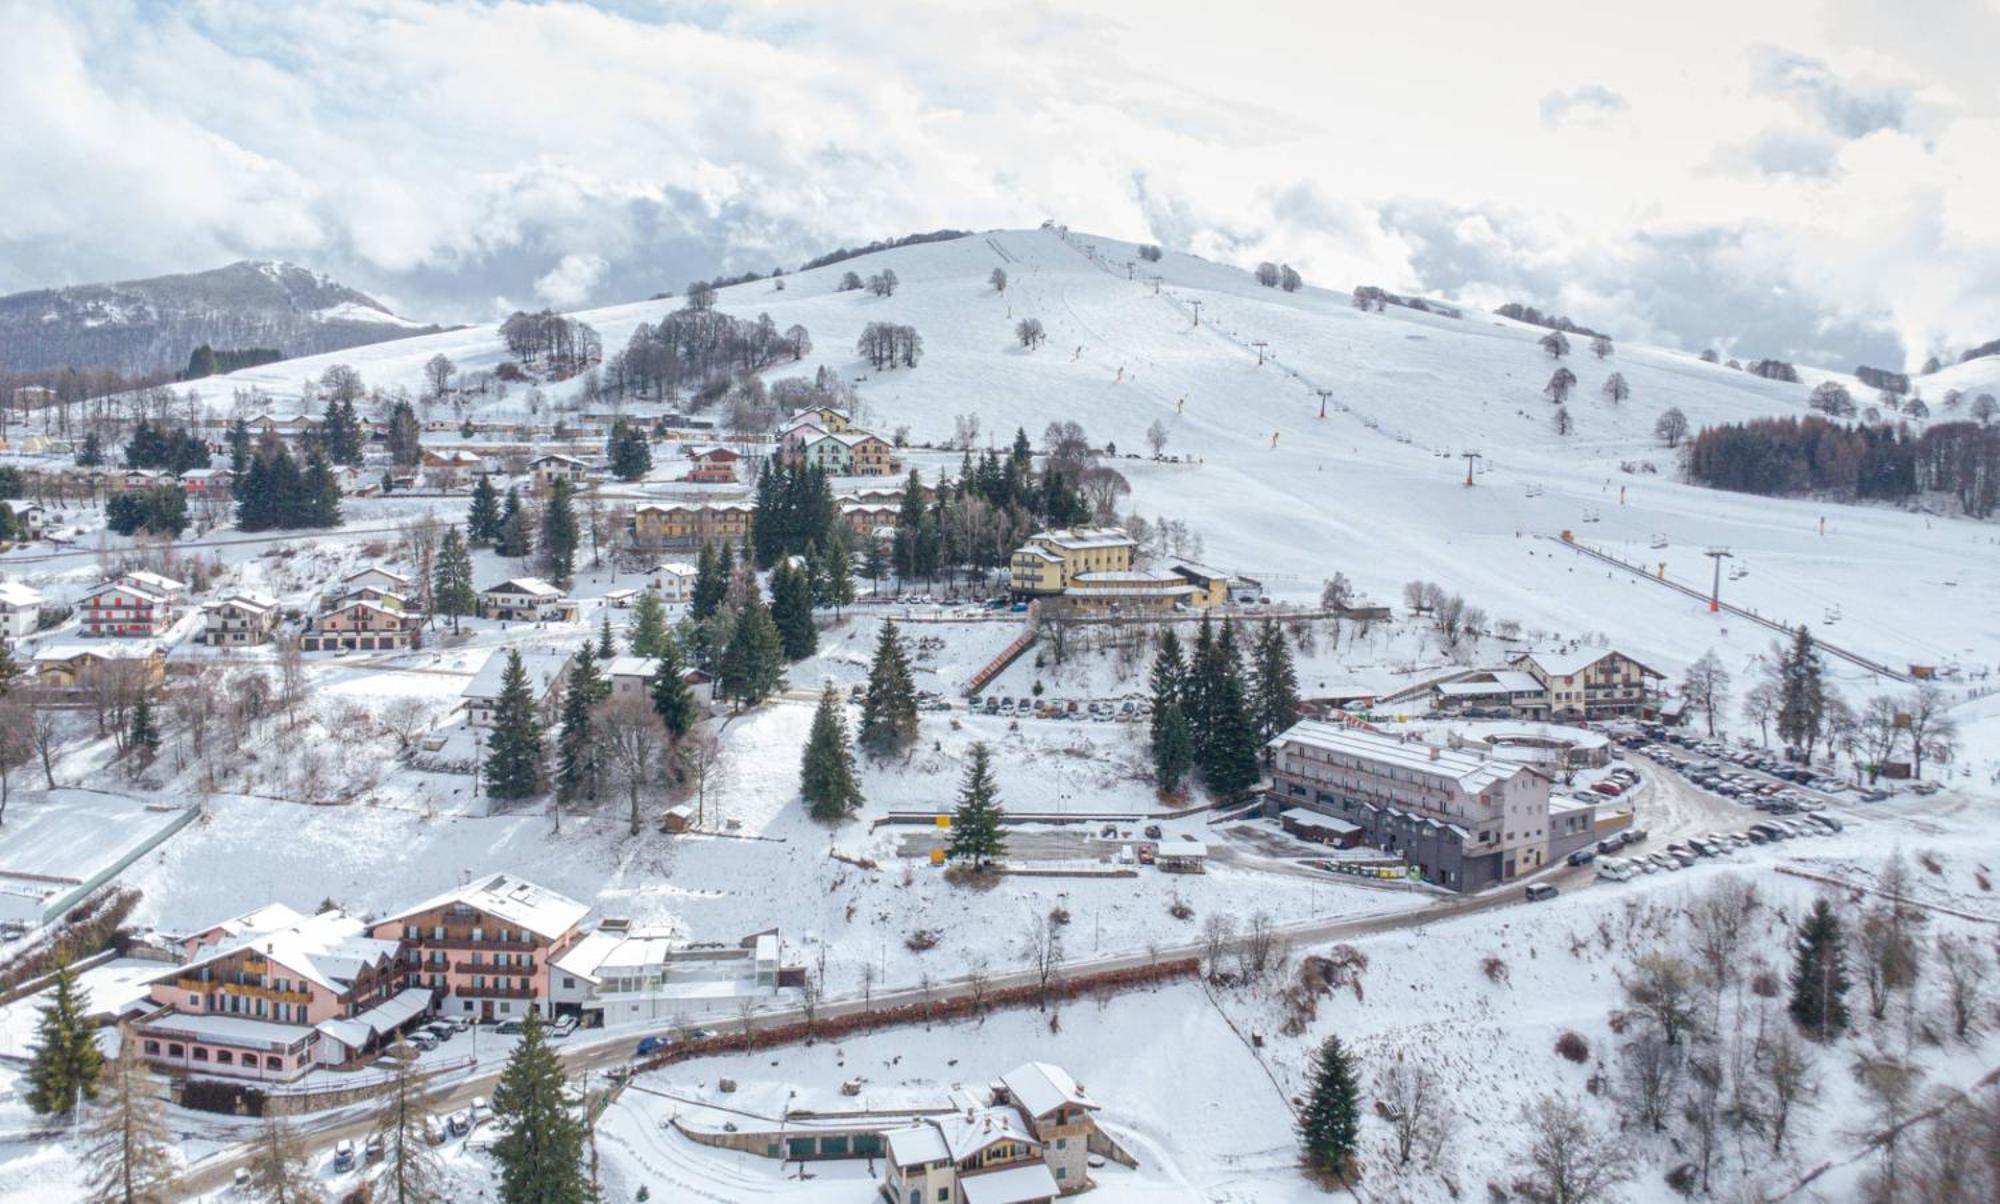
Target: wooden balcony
{"x": 516, "y": 971}
{"x": 197, "y": 986}
{"x": 490, "y": 991}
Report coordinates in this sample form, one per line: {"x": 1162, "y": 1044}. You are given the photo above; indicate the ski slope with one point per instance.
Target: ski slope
{"x": 1374, "y": 489}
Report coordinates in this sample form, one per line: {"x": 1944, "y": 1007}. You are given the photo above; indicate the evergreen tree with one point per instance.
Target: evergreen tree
{"x": 404, "y": 436}
{"x": 514, "y": 750}
{"x": 647, "y": 634}
{"x": 515, "y": 538}
{"x": 131, "y": 1151}
{"x": 791, "y": 610}
{"x": 143, "y": 734}
{"x": 673, "y": 701}
{"x": 1196, "y": 689}
{"x": 280, "y": 1172}
{"x": 1801, "y": 692}
{"x": 630, "y": 452}
{"x": 559, "y": 533}
{"x": 1228, "y": 756}
{"x": 875, "y": 562}
{"x": 239, "y": 447}
{"x": 540, "y": 1151}
{"x": 1819, "y": 974}
{"x": 482, "y": 522}
{"x": 1330, "y": 1124}
{"x": 839, "y": 576}
{"x": 1173, "y": 747}
{"x": 66, "y": 1062}
{"x": 826, "y": 772}
{"x": 91, "y": 454}
{"x": 452, "y": 591}
{"x": 889, "y": 708}
{"x": 1277, "y": 695}
{"x": 410, "y": 1170}
{"x": 976, "y": 835}
{"x": 607, "y": 647}
{"x": 340, "y": 431}
{"x": 711, "y": 583}
{"x": 318, "y": 498}
{"x": 576, "y": 738}
{"x": 753, "y": 665}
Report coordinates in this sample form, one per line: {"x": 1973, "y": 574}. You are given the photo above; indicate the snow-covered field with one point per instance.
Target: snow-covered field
{"x": 1374, "y": 490}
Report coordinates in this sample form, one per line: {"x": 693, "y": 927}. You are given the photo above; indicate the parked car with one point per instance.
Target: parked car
{"x": 372, "y": 1150}
{"x": 343, "y": 1155}
{"x": 1541, "y": 892}
{"x": 563, "y": 1026}
{"x": 655, "y": 1044}
{"x": 479, "y": 1112}
{"x": 423, "y": 1041}
{"x": 1582, "y": 857}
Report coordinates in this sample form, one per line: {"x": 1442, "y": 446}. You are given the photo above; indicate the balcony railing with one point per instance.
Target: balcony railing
{"x": 491, "y": 991}
{"x": 489, "y": 968}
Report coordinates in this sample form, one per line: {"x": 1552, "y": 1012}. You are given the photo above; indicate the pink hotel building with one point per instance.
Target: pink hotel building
{"x": 271, "y": 994}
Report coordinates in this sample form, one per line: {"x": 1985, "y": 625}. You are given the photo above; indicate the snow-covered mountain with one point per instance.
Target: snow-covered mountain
{"x": 1375, "y": 489}
{"x": 145, "y": 325}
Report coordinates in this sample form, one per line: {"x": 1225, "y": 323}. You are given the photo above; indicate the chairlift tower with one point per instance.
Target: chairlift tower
{"x": 1323, "y": 395}
{"x": 1718, "y": 555}
{"x": 1471, "y": 459}
{"x": 1260, "y": 344}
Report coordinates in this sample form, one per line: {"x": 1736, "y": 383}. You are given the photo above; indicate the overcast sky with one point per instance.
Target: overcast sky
{"x": 1816, "y": 179}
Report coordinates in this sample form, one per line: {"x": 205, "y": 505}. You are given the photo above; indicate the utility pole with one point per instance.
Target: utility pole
{"x": 1156, "y": 285}
{"x": 1197, "y": 312}
{"x": 1471, "y": 458}
{"x": 1323, "y": 395}
{"x": 1718, "y": 555}
{"x": 1260, "y": 344}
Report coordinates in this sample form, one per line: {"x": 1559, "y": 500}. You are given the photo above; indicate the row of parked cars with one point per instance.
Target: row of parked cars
{"x": 1102, "y": 711}
{"x": 1686, "y": 852}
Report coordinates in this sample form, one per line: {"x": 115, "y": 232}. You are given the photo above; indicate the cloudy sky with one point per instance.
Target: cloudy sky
{"x": 1817, "y": 179}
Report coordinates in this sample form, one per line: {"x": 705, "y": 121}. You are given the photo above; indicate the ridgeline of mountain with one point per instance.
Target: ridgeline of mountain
{"x": 138, "y": 326}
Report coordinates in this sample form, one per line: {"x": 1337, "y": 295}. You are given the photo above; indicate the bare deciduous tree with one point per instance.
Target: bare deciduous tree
{"x": 1649, "y": 1072}
{"x": 1784, "y": 1062}
{"x": 1573, "y": 1162}
{"x": 1966, "y": 967}
{"x": 632, "y": 737}
{"x": 1045, "y": 957}
{"x": 1418, "y": 1123}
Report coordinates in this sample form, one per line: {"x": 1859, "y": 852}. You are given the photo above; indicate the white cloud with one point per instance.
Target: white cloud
{"x": 570, "y": 282}
{"x": 450, "y": 151}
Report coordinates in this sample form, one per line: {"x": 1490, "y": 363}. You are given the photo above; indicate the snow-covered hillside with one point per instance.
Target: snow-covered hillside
{"x": 1375, "y": 488}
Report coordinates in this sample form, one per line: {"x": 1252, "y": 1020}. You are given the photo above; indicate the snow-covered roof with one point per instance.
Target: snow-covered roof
{"x": 631, "y": 666}
{"x": 1080, "y": 538}
{"x": 966, "y": 1133}
{"x": 121, "y": 586}
{"x": 917, "y": 1145}
{"x": 1500, "y": 681}
{"x": 379, "y": 571}
{"x": 515, "y": 900}
{"x": 1039, "y": 553}
{"x": 542, "y": 668}
{"x": 1313, "y": 819}
{"x": 703, "y": 451}
{"x": 558, "y": 458}
{"x": 245, "y": 600}
{"x": 1160, "y": 577}
{"x": 330, "y": 948}
{"x": 259, "y": 919}
{"x": 229, "y": 1030}
{"x": 1574, "y": 661}
{"x": 13, "y": 593}
{"x": 1016, "y": 1184}
{"x": 1472, "y": 773}
{"x": 122, "y": 650}
{"x": 1040, "y": 1088}
{"x": 387, "y": 1016}
{"x": 674, "y": 568}
{"x": 533, "y": 587}
{"x": 1181, "y": 848}
{"x": 154, "y": 581}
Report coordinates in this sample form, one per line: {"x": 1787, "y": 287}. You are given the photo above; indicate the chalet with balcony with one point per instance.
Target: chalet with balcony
{"x": 139, "y": 605}
{"x": 240, "y": 620}
{"x": 547, "y": 470}
{"x": 684, "y": 524}
{"x": 485, "y": 949}
{"x": 547, "y": 671}
{"x": 361, "y": 626}
{"x": 86, "y": 666}
{"x": 1587, "y": 683}
{"x": 525, "y": 600}
{"x": 671, "y": 582}
{"x": 712, "y": 465}
{"x": 270, "y": 995}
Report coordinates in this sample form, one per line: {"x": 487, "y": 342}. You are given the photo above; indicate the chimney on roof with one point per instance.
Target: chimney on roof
{"x": 1434, "y": 752}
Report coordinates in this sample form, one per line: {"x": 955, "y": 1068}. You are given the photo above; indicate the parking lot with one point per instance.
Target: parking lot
{"x": 1708, "y": 804}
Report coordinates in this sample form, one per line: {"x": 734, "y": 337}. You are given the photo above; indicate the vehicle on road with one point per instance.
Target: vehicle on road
{"x": 1541, "y": 892}
{"x": 563, "y": 1027}
{"x": 1582, "y": 857}
{"x": 343, "y": 1156}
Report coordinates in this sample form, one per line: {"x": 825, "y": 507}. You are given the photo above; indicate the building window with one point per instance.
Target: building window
{"x": 224, "y": 1058}
{"x": 272, "y": 1062}
{"x": 153, "y": 1047}
{"x": 200, "y": 1054}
